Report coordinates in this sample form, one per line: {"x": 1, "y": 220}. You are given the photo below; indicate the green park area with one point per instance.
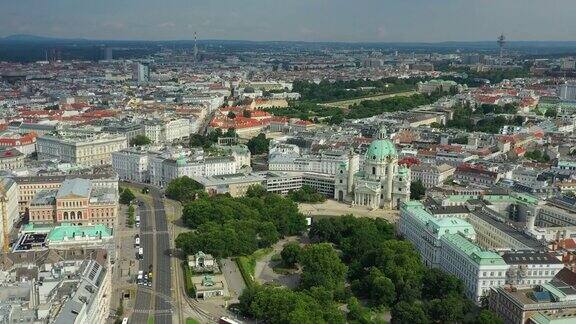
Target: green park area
{"x": 347, "y": 263}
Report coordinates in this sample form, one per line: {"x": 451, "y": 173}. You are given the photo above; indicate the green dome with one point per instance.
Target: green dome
{"x": 379, "y": 150}
{"x": 181, "y": 161}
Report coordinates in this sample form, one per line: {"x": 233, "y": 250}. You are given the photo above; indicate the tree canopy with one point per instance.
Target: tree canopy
{"x": 385, "y": 271}
{"x": 417, "y": 190}
{"x": 258, "y": 144}
{"x": 306, "y": 194}
{"x": 226, "y": 226}
{"x": 126, "y": 196}
{"x": 184, "y": 189}
{"x": 280, "y": 305}
{"x": 322, "y": 267}
{"x": 290, "y": 254}
{"x": 140, "y": 140}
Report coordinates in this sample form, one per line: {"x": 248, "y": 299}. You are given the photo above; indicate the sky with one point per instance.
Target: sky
{"x": 301, "y": 20}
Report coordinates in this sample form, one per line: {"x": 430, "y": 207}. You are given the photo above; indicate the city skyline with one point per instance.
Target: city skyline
{"x": 274, "y": 20}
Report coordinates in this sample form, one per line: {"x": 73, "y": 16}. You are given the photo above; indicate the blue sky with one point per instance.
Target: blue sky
{"x": 308, "y": 20}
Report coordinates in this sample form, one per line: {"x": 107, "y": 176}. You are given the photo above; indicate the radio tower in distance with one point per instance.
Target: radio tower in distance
{"x": 195, "y": 47}
{"x": 501, "y": 42}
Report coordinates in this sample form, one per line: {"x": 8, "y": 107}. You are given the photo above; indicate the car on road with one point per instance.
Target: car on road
{"x": 137, "y": 241}
{"x": 140, "y": 253}
{"x": 140, "y": 277}
{"x": 125, "y": 320}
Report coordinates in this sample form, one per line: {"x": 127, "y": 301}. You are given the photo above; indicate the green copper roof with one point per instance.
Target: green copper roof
{"x": 380, "y": 150}
{"x": 473, "y": 251}
{"x": 438, "y": 226}
{"x": 542, "y": 318}
{"x": 59, "y": 233}
{"x": 403, "y": 170}
{"x": 181, "y": 161}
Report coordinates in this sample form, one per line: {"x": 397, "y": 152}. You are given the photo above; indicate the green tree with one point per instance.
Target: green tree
{"x": 183, "y": 189}
{"x": 283, "y": 306}
{"x": 440, "y": 284}
{"x": 552, "y": 112}
{"x": 398, "y": 261}
{"x": 417, "y": 190}
{"x": 357, "y": 313}
{"x": 321, "y": 267}
{"x": 126, "y": 196}
{"x": 448, "y": 310}
{"x": 246, "y": 113}
{"x": 404, "y": 312}
{"x": 306, "y": 194}
{"x": 231, "y": 115}
{"x": 197, "y": 140}
{"x": 131, "y": 219}
{"x": 256, "y": 191}
{"x": 258, "y": 144}
{"x": 140, "y": 140}
{"x": 290, "y": 254}
{"x": 382, "y": 291}
{"x": 487, "y": 317}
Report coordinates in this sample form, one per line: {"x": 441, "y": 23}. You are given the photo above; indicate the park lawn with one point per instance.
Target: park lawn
{"x": 191, "y": 321}
{"x": 150, "y": 319}
{"x": 349, "y": 102}
{"x": 247, "y": 264}
{"x": 189, "y": 286}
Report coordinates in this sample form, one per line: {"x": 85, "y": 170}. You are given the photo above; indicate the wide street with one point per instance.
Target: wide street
{"x": 162, "y": 275}
{"x": 143, "y": 305}
{"x": 155, "y": 241}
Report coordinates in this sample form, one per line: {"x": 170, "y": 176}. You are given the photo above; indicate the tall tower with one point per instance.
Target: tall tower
{"x": 501, "y": 42}
{"x": 195, "y": 47}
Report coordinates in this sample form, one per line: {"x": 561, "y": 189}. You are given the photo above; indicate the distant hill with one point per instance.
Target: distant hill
{"x": 26, "y": 38}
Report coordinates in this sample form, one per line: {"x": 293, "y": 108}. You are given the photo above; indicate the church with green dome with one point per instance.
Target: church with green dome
{"x": 379, "y": 182}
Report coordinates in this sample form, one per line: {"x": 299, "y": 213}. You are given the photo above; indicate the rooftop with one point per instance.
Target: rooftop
{"x": 68, "y": 231}
{"x": 530, "y": 257}
{"x": 473, "y": 251}
{"x": 75, "y": 187}
{"x": 524, "y": 239}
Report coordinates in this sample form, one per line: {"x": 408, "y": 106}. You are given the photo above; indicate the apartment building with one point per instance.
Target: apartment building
{"x": 75, "y": 286}
{"x": 8, "y": 207}
{"x": 80, "y": 148}
{"x": 431, "y": 175}
{"x": 11, "y": 159}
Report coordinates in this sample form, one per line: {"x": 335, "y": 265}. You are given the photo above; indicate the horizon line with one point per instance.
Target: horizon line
{"x": 58, "y": 38}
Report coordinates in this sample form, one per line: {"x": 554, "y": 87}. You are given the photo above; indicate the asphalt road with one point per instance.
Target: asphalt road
{"x": 233, "y": 277}
{"x": 162, "y": 273}
{"x": 143, "y": 298}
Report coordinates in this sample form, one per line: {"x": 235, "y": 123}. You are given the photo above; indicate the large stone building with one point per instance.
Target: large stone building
{"x": 431, "y": 175}
{"x": 8, "y": 208}
{"x": 55, "y": 286}
{"x": 475, "y": 245}
{"x": 29, "y": 187}
{"x": 552, "y": 302}
{"x": 160, "y": 167}
{"x": 77, "y": 201}
{"x": 381, "y": 183}
{"x": 11, "y": 159}
{"x": 80, "y": 148}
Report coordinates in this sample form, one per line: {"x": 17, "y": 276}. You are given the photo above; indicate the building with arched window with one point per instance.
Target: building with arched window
{"x": 77, "y": 202}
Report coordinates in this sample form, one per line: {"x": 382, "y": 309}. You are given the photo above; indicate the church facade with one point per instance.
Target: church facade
{"x": 380, "y": 183}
